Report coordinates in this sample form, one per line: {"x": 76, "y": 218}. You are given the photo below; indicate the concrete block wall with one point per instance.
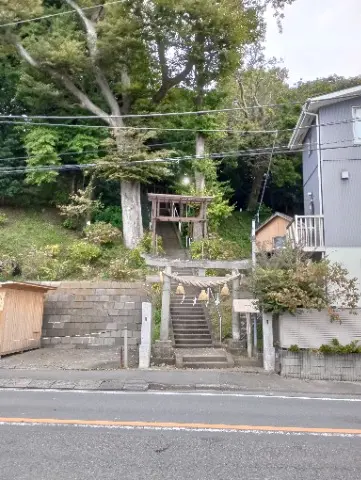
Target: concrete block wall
{"x": 311, "y": 366}
{"x": 90, "y": 314}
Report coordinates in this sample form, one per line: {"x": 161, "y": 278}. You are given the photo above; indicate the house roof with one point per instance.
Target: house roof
{"x": 312, "y": 106}
{"x": 26, "y": 286}
{"x": 275, "y": 215}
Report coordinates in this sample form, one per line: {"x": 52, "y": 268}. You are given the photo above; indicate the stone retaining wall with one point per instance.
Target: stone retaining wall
{"x": 312, "y": 366}
{"x": 93, "y": 313}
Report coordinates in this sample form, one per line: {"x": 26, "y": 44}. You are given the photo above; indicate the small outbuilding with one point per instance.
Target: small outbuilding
{"x": 271, "y": 235}
{"x": 21, "y": 316}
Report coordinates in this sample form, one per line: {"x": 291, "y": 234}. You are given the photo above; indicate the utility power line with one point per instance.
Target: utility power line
{"x": 192, "y": 130}
{"x": 99, "y": 150}
{"x": 267, "y": 177}
{"x": 51, "y": 15}
{"x": 149, "y": 115}
{"x": 276, "y": 150}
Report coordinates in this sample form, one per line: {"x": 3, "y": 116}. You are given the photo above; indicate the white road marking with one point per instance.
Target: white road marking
{"x": 166, "y": 393}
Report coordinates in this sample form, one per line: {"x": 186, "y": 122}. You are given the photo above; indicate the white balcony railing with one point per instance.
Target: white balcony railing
{"x": 306, "y": 231}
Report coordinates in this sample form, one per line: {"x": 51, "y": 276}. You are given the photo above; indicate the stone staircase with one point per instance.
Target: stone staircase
{"x": 189, "y": 322}
{"x": 192, "y": 337}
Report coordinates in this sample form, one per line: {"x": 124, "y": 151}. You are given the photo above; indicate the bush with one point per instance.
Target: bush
{"x": 70, "y": 224}
{"x": 335, "y": 348}
{"x": 83, "y": 252}
{"x": 134, "y": 258}
{"x": 111, "y": 214}
{"x": 101, "y": 233}
{"x": 41, "y": 264}
{"x": 3, "y": 219}
{"x": 9, "y": 267}
{"x": 52, "y": 250}
{"x": 146, "y": 244}
{"x": 288, "y": 282}
{"x": 215, "y": 248}
{"x": 80, "y": 206}
{"x": 119, "y": 269}
{"x": 294, "y": 348}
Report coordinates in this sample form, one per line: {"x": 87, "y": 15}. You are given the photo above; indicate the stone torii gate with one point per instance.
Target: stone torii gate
{"x": 200, "y": 280}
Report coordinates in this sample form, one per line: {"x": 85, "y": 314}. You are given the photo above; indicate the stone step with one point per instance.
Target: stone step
{"x": 186, "y": 305}
{"x": 194, "y": 310}
{"x": 205, "y": 365}
{"x": 193, "y": 345}
{"x": 180, "y": 330}
{"x": 187, "y": 318}
{"x": 189, "y": 324}
{"x": 179, "y": 299}
{"x": 194, "y": 341}
{"x": 187, "y": 309}
{"x": 185, "y": 336}
{"x": 204, "y": 358}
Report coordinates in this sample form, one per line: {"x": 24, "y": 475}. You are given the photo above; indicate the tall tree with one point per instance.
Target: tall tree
{"x": 121, "y": 58}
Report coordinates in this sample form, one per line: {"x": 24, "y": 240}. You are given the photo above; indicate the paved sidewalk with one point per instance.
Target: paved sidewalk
{"x": 176, "y": 380}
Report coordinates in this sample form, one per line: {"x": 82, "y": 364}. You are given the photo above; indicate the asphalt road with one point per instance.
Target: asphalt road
{"x": 49, "y": 435}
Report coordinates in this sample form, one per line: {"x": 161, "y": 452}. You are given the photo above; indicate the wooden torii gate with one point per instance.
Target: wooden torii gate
{"x": 176, "y": 208}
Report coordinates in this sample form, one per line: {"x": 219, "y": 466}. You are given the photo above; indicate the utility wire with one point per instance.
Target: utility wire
{"x": 242, "y": 153}
{"x": 219, "y": 130}
{"x": 245, "y": 132}
{"x": 267, "y": 177}
{"x": 157, "y": 114}
{"x": 86, "y": 152}
{"x": 51, "y": 15}
{"x": 279, "y": 149}
{"x": 275, "y": 150}
{"x": 149, "y": 115}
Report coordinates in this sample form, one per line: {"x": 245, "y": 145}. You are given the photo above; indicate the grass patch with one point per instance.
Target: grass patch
{"x": 42, "y": 249}
{"x": 237, "y": 228}
{"x": 25, "y": 229}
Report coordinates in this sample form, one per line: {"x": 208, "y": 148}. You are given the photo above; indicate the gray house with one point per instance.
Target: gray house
{"x": 329, "y": 133}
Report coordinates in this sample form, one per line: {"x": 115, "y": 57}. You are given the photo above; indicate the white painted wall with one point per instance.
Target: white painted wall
{"x": 311, "y": 329}
{"x": 350, "y": 258}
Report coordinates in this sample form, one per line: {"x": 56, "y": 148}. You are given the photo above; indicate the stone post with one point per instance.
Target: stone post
{"x": 268, "y": 348}
{"x": 145, "y": 336}
{"x": 249, "y": 335}
{"x": 165, "y": 318}
{"x": 236, "y": 334}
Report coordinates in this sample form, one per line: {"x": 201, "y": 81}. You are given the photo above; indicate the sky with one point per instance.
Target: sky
{"x": 320, "y": 38}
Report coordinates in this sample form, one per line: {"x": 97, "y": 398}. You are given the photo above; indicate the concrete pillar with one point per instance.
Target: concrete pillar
{"x": 145, "y": 336}
{"x": 249, "y": 335}
{"x": 236, "y": 334}
{"x": 165, "y": 318}
{"x": 268, "y": 348}
{"x": 201, "y": 272}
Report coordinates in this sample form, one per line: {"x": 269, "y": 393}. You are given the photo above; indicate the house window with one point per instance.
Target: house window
{"x": 279, "y": 242}
{"x": 356, "y": 114}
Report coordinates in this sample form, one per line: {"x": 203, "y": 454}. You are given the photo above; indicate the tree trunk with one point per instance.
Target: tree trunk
{"x": 131, "y": 213}
{"x": 130, "y": 200}
{"x": 198, "y": 230}
{"x": 255, "y": 190}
